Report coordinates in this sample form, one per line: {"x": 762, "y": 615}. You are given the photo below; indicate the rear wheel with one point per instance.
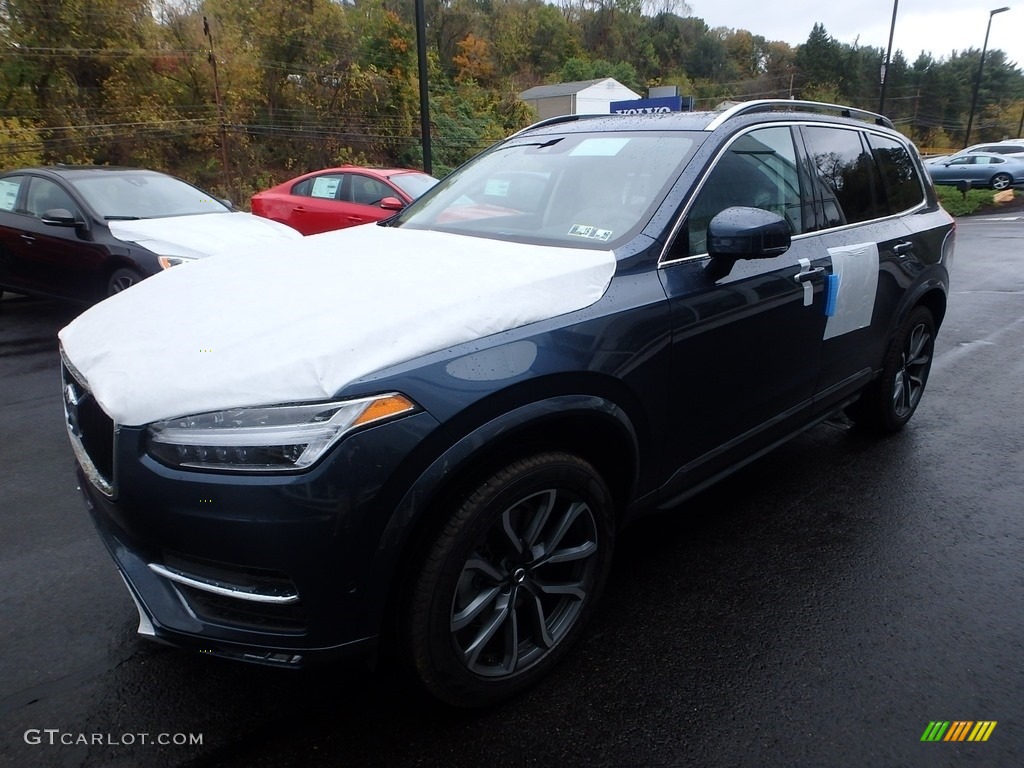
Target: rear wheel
{"x": 1001, "y": 181}
{"x": 508, "y": 584}
{"x": 889, "y": 401}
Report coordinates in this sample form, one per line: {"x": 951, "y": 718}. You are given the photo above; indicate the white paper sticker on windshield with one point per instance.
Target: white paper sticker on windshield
{"x": 857, "y": 269}
{"x": 497, "y": 187}
{"x": 599, "y": 147}
{"x": 591, "y": 233}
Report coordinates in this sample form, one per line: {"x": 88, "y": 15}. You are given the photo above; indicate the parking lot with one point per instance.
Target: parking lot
{"x": 821, "y": 607}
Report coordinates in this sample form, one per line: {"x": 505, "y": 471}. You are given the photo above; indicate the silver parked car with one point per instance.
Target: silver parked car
{"x": 978, "y": 169}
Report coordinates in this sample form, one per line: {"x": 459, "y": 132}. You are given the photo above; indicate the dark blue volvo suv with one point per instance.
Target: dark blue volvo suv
{"x": 430, "y": 430}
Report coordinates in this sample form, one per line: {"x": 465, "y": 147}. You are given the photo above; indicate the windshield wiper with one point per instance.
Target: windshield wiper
{"x": 121, "y": 218}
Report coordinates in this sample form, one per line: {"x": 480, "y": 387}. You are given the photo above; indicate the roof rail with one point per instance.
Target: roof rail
{"x": 791, "y": 105}
{"x": 553, "y": 121}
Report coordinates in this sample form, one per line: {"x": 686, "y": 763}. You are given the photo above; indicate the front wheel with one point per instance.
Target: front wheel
{"x": 122, "y": 280}
{"x": 889, "y": 401}
{"x": 508, "y": 584}
{"x": 1001, "y": 181}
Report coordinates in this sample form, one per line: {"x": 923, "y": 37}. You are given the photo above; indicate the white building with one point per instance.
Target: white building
{"x": 586, "y": 97}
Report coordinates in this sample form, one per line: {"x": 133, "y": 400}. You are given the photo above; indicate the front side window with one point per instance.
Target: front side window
{"x": 45, "y": 195}
{"x": 846, "y": 170}
{"x": 368, "y": 191}
{"x": 587, "y": 190}
{"x": 758, "y": 170}
{"x": 901, "y": 183}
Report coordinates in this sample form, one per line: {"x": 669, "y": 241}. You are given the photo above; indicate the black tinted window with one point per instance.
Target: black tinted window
{"x": 849, "y": 183}
{"x": 900, "y": 181}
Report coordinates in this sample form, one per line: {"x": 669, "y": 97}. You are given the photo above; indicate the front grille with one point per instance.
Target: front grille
{"x": 91, "y": 430}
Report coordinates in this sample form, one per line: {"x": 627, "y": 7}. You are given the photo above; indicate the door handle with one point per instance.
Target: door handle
{"x": 808, "y": 274}
{"x": 902, "y": 249}
{"x": 28, "y": 238}
{"x": 356, "y": 219}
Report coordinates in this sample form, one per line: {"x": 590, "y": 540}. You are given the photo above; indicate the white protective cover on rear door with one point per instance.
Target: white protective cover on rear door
{"x": 857, "y": 269}
{"x": 297, "y": 320}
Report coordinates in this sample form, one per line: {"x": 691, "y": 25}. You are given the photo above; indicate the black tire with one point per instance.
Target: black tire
{"x": 122, "y": 280}
{"x": 890, "y": 400}
{"x": 491, "y": 611}
{"x": 1002, "y": 181}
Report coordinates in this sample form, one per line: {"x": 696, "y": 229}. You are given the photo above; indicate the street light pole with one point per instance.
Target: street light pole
{"x": 981, "y": 68}
{"x": 421, "y": 55}
{"x": 888, "y": 57}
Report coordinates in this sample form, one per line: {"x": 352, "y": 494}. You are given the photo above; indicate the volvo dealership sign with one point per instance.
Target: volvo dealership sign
{"x": 648, "y": 106}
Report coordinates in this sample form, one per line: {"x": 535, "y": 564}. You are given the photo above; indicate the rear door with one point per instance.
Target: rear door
{"x": 867, "y": 189}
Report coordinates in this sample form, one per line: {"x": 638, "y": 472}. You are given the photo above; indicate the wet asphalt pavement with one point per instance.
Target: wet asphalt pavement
{"x": 819, "y": 608}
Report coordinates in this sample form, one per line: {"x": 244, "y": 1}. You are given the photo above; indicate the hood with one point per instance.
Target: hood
{"x": 201, "y": 235}
{"x": 295, "y": 321}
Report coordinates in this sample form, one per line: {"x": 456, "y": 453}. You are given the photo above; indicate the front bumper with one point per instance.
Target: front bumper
{"x": 266, "y": 569}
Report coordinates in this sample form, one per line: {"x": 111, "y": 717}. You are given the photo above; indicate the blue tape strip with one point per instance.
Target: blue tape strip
{"x": 831, "y": 294}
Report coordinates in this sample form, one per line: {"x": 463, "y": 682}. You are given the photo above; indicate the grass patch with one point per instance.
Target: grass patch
{"x": 957, "y": 204}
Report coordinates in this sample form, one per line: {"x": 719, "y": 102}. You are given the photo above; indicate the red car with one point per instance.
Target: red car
{"x": 335, "y": 198}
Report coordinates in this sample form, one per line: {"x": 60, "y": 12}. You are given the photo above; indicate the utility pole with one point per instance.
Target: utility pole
{"x": 888, "y": 57}
{"x": 220, "y": 109}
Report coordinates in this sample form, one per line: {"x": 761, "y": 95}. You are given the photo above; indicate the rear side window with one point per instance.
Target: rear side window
{"x": 9, "y": 192}
{"x": 849, "y": 182}
{"x": 901, "y": 183}
{"x": 322, "y": 187}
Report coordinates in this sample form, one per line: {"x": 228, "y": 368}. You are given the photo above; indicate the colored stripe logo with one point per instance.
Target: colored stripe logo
{"x": 958, "y": 730}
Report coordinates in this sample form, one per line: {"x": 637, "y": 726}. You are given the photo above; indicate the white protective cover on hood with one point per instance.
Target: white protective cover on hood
{"x": 201, "y": 235}
{"x": 298, "y": 321}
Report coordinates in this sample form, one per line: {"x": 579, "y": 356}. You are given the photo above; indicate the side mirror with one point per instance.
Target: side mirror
{"x": 226, "y": 203}
{"x": 744, "y": 233}
{"x": 58, "y": 217}
{"x": 748, "y": 233}
{"x": 392, "y": 204}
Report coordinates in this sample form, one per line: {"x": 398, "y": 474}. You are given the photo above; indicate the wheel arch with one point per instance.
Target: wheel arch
{"x": 593, "y": 428}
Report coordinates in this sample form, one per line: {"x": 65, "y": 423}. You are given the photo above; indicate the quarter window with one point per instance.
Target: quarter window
{"x": 900, "y": 180}
{"x": 758, "y": 170}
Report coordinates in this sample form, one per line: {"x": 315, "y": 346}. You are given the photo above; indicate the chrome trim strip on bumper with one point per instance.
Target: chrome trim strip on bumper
{"x": 239, "y": 593}
{"x": 93, "y": 474}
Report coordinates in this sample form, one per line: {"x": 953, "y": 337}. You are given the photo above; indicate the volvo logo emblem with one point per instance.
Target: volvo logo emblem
{"x": 71, "y": 402}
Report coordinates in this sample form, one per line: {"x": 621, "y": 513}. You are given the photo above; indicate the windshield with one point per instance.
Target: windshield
{"x": 413, "y": 184}
{"x": 143, "y": 195}
{"x": 590, "y": 190}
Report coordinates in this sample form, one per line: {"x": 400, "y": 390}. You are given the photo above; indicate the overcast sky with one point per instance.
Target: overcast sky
{"x": 936, "y": 26}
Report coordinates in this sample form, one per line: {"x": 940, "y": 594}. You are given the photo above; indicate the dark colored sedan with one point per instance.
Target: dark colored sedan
{"x": 336, "y": 198}
{"x": 978, "y": 169}
{"x": 431, "y": 443}
{"x": 85, "y": 233}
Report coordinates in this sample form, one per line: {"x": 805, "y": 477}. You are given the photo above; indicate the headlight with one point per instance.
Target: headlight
{"x": 269, "y": 438}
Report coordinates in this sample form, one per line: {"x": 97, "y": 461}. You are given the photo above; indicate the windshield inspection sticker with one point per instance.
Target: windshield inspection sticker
{"x": 855, "y": 268}
{"x": 591, "y": 233}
